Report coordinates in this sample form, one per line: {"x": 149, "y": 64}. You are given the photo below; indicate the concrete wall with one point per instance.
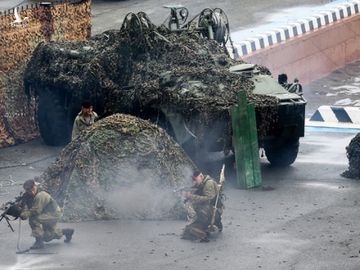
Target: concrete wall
{"x": 310, "y": 48}
{"x": 315, "y": 54}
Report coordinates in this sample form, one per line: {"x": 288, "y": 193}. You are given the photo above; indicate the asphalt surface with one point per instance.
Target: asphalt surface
{"x": 109, "y": 14}
{"x": 340, "y": 88}
{"x": 304, "y": 217}
{"x": 244, "y": 13}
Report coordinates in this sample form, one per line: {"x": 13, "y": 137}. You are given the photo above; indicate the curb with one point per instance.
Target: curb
{"x": 298, "y": 28}
{"x": 338, "y": 117}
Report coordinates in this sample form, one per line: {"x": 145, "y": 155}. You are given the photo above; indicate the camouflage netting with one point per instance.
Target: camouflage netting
{"x": 131, "y": 69}
{"x": 121, "y": 167}
{"x": 63, "y": 21}
{"x": 353, "y": 154}
{"x": 17, "y": 112}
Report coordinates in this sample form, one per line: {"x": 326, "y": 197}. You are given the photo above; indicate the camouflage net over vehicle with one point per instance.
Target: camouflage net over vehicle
{"x": 143, "y": 66}
{"x": 353, "y": 154}
{"x": 122, "y": 167}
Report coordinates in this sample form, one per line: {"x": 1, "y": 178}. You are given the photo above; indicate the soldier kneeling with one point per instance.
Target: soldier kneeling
{"x": 43, "y": 213}
{"x": 200, "y": 206}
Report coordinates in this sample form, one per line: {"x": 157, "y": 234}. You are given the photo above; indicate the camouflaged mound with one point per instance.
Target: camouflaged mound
{"x": 133, "y": 70}
{"x": 121, "y": 167}
{"x": 353, "y": 154}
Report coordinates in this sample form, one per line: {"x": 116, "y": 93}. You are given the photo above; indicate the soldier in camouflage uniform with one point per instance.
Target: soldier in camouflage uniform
{"x": 43, "y": 213}
{"x": 84, "y": 119}
{"x": 200, "y": 204}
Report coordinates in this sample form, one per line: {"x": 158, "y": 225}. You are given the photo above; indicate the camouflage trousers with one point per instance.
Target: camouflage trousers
{"x": 44, "y": 226}
{"x": 191, "y": 213}
{"x": 199, "y": 223}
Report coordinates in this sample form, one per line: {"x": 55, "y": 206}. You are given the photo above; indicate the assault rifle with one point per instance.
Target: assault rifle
{"x": 179, "y": 192}
{"x": 13, "y": 209}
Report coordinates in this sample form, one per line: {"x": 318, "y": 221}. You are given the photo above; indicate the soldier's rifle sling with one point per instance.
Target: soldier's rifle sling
{"x": 221, "y": 182}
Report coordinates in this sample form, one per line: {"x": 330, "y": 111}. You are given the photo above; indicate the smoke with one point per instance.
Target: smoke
{"x": 142, "y": 201}
{"x": 144, "y": 195}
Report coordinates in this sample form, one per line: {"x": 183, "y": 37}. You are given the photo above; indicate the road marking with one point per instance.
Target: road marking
{"x": 332, "y": 129}
{"x": 335, "y": 119}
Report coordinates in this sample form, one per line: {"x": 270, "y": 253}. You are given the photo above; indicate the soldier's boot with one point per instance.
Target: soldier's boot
{"x": 219, "y": 225}
{"x": 200, "y": 234}
{"x": 68, "y": 233}
{"x": 204, "y": 240}
{"x": 39, "y": 243}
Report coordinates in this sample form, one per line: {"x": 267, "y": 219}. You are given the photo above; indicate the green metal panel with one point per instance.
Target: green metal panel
{"x": 254, "y": 147}
{"x": 245, "y": 143}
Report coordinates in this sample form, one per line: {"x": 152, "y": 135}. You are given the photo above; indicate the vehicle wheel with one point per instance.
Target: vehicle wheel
{"x": 54, "y": 126}
{"x": 282, "y": 152}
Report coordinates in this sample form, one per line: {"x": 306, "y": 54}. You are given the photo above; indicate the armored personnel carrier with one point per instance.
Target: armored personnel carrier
{"x": 281, "y": 140}
{"x": 179, "y": 76}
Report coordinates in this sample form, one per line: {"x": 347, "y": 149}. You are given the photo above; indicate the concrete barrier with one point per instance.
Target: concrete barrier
{"x": 310, "y": 48}
{"x": 337, "y": 117}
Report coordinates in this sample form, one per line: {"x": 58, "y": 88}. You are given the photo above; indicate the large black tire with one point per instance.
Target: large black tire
{"x": 282, "y": 152}
{"x": 53, "y": 121}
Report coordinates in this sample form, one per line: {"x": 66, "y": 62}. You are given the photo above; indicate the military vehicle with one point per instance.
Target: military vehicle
{"x": 179, "y": 76}
{"x": 281, "y": 142}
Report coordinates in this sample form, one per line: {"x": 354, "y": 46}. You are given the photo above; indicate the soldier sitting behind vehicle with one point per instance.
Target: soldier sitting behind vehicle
{"x": 43, "y": 213}
{"x": 283, "y": 80}
{"x": 84, "y": 119}
{"x": 294, "y": 87}
{"x": 200, "y": 209}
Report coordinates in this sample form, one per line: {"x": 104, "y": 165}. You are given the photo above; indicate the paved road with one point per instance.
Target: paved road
{"x": 340, "y": 88}
{"x": 244, "y": 13}
{"x": 302, "y": 219}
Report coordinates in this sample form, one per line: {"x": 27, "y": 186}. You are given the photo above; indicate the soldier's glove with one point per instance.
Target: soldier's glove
{"x": 25, "y": 214}
{"x": 187, "y": 194}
